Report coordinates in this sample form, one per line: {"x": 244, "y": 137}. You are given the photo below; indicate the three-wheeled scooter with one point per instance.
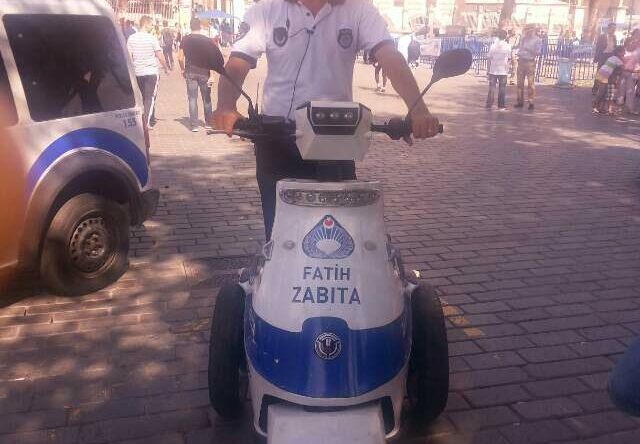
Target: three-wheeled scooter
{"x": 332, "y": 332}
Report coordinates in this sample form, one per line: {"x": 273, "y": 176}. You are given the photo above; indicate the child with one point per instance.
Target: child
{"x": 604, "y": 78}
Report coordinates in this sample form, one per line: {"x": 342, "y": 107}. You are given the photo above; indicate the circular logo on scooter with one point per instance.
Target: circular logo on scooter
{"x": 328, "y": 346}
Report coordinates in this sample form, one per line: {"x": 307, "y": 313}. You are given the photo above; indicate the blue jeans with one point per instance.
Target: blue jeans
{"x": 195, "y": 82}
{"x": 502, "y": 90}
{"x": 624, "y": 381}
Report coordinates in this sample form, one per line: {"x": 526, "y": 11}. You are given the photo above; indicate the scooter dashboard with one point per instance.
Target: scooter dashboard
{"x": 333, "y": 130}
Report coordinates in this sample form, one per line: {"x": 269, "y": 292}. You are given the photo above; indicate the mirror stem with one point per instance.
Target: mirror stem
{"x": 424, "y": 91}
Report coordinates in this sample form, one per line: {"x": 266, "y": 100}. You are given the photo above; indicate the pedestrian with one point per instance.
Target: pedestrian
{"x": 512, "y": 40}
{"x": 498, "y": 70}
{"x": 146, "y": 55}
{"x": 167, "y": 38}
{"x": 606, "y": 79}
{"x": 178, "y": 40}
{"x": 605, "y": 46}
{"x": 413, "y": 53}
{"x": 378, "y": 70}
{"x": 528, "y": 51}
{"x": 629, "y": 76}
{"x": 194, "y": 52}
{"x": 129, "y": 30}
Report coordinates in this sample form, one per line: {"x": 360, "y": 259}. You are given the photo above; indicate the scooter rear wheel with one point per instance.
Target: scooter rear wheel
{"x": 428, "y": 380}
{"x": 225, "y": 352}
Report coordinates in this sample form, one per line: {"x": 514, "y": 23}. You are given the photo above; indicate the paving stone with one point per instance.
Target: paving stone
{"x": 548, "y": 354}
{"x": 504, "y": 394}
{"x": 485, "y": 378}
{"x": 504, "y": 343}
{"x": 556, "y": 387}
{"x": 494, "y": 360}
{"x": 547, "y": 408}
{"x": 569, "y": 367}
{"x": 483, "y": 418}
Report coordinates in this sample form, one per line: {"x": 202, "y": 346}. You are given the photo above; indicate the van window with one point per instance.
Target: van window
{"x": 70, "y": 65}
{"x": 10, "y": 115}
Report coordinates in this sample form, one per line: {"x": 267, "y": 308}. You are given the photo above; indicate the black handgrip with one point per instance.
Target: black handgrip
{"x": 398, "y": 128}
{"x": 244, "y": 125}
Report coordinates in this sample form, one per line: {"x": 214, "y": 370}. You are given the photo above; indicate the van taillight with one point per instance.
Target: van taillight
{"x": 147, "y": 141}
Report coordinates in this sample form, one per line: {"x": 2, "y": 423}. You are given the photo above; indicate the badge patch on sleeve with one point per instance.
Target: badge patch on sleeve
{"x": 280, "y": 36}
{"x": 243, "y": 30}
{"x": 345, "y": 38}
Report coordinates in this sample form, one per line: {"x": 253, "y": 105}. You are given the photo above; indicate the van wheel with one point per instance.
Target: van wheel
{"x": 226, "y": 352}
{"x": 428, "y": 380}
{"x": 86, "y": 246}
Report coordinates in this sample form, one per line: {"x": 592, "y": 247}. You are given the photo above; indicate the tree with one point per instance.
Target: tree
{"x": 506, "y": 12}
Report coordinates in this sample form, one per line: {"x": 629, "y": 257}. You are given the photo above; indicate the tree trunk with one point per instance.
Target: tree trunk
{"x": 506, "y": 12}
{"x": 458, "y": 9}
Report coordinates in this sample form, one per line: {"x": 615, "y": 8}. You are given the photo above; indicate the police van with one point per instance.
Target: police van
{"x": 70, "y": 114}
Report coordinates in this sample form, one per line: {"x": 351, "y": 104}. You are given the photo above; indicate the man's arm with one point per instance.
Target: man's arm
{"x": 395, "y": 66}
{"x": 226, "y": 114}
{"x": 160, "y": 58}
{"x": 181, "y": 60}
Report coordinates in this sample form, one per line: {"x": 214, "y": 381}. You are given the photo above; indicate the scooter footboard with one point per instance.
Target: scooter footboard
{"x": 293, "y": 425}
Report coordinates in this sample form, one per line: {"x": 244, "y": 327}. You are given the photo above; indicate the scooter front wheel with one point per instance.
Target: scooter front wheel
{"x": 428, "y": 380}
{"x": 226, "y": 352}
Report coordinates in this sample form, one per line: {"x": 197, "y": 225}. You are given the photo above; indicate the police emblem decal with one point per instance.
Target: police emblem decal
{"x": 345, "y": 38}
{"x": 328, "y": 346}
{"x": 328, "y": 240}
{"x": 280, "y": 36}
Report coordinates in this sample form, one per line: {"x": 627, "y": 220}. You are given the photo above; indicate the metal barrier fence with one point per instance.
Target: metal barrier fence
{"x": 581, "y": 56}
{"x": 158, "y": 10}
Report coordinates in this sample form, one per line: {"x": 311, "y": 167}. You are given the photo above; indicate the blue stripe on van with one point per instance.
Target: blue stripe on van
{"x": 100, "y": 138}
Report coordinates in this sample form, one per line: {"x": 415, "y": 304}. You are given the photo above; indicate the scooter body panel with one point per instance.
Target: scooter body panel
{"x": 327, "y": 319}
{"x": 329, "y": 260}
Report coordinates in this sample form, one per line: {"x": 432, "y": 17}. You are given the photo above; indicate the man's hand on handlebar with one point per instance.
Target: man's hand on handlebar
{"x": 224, "y": 120}
{"x": 423, "y": 123}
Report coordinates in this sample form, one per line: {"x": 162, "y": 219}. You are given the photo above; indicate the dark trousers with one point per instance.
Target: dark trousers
{"x": 276, "y": 160}
{"x": 197, "y": 82}
{"x": 501, "y": 82}
{"x": 149, "y": 88}
{"x": 168, "y": 56}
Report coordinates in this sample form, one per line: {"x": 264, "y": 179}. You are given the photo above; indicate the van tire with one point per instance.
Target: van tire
{"x": 86, "y": 246}
{"x": 428, "y": 380}
{"x": 226, "y": 351}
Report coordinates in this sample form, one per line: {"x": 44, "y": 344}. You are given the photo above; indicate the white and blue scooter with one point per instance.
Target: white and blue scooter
{"x": 332, "y": 332}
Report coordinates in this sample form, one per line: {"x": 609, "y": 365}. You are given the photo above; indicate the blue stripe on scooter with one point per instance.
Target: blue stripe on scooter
{"x": 100, "y": 138}
{"x": 369, "y": 358}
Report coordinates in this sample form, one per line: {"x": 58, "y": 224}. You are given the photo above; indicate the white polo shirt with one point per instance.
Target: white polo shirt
{"x": 143, "y": 47}
{"x": 309, "y": 58}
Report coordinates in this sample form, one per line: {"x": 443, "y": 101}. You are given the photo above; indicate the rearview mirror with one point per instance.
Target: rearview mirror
{"x": 452, "y": 63}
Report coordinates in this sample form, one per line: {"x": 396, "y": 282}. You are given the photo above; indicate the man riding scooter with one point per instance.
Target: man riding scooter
{"x": 311, "y": 48}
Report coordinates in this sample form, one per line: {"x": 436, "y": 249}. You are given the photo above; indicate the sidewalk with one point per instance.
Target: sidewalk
{"x": 529, "y": 222}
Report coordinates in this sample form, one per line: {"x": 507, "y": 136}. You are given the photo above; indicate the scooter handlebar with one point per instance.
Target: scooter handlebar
{"x": 395, "y": 128}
